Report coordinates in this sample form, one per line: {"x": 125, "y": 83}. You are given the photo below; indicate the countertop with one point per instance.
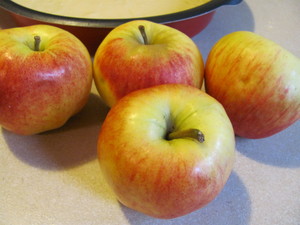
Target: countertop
{"x": 54, "y": 178}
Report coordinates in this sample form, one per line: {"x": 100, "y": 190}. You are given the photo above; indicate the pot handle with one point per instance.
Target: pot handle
{"x": 233, "y": 2}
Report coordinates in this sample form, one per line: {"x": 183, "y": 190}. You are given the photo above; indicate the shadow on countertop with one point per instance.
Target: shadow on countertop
{"x": 231, "y": 207}
{"x": 226, "y": 20}
{"x": 281, "y": 149}
{"x": 71, "y": 145}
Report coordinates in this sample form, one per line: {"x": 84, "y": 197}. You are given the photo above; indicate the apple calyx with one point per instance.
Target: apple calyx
{"x": 189, "y": 133}
{"x": 144, "y": 35}
{"x": 37, "y": 41}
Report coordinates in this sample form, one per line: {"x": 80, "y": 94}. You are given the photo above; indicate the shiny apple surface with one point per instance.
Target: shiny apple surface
{"x": 149, "y": 170}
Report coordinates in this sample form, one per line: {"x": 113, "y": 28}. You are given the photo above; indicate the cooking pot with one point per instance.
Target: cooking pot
{"x": 92, "y": 31}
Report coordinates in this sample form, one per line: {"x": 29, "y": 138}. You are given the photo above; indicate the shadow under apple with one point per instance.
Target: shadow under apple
{"x": 69, "y": 146}
{"x": 232, "y": 206}
{"x": 281, "y": 149}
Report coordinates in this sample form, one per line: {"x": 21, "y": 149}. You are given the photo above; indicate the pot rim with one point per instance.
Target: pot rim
{"x": 110, "y": 23}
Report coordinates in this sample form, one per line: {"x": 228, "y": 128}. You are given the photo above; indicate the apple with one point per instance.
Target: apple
{"x": 141, "y": 54}
{"x": 166, "y": 150}
{"x": 45, "y": 78}
{"x": 257, "y": 81}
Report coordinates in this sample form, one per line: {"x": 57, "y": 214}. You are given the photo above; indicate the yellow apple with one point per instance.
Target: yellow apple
{"x": 140, "y": 54}
{"x": 257, "y": 81}
{"x": 45, "y": 78}
{"x": 166, "y": 150}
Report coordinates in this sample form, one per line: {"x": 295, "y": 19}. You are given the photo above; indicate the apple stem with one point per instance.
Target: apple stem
{"x": 37, "y": 41}
{"x": 144, "y": 35}
{"x": 189, "y": 133}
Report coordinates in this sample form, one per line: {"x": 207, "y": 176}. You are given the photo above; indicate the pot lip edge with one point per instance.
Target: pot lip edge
{"x": 19, "y": 10}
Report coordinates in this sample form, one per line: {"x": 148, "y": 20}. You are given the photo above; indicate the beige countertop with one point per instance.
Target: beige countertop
{"x": 54, "y": 178}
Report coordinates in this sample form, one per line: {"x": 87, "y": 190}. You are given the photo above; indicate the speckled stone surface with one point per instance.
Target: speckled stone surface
{"x": 54, "y": 178}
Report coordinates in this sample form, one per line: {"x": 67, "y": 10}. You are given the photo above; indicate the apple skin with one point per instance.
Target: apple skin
{"x": 41, "y": 90}
{"x": 166, "y": 178}
{"x": 257, "y": 81}
{"x": 123, "y": 63}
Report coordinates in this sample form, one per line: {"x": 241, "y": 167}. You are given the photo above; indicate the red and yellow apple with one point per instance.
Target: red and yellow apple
{"x": 166, "y": 150}
{"x": 45, "y": 78}
{"x": 141, "y": 54}
{"x": 257, "y": 81}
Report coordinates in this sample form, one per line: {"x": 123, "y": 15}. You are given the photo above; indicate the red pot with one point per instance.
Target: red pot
{"x": 92, "y": 31}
